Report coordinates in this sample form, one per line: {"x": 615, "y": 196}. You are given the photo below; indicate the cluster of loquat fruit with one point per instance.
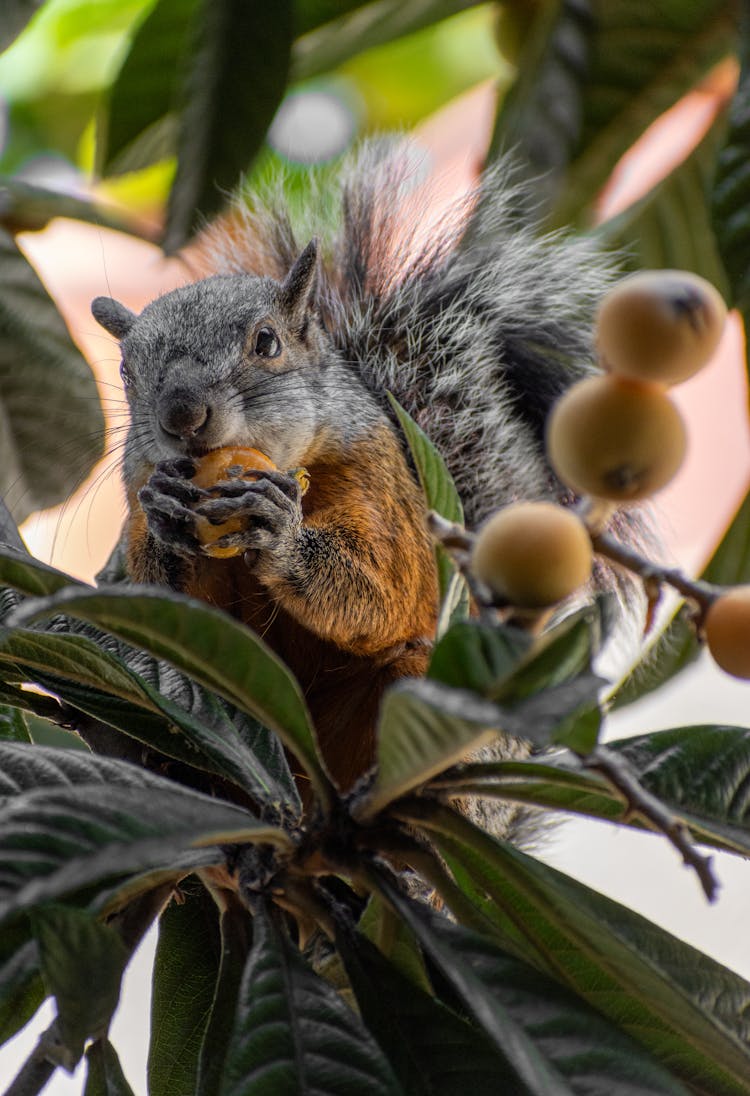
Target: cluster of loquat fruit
{"x": 616, "y": 438}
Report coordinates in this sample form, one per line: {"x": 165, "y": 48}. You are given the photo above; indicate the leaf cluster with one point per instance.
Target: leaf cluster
{"x": 303, "y": 938}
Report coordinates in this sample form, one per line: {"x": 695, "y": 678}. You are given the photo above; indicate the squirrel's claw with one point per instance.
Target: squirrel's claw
{"x": 264, "y": 516}
{"x": 165, "y": 501}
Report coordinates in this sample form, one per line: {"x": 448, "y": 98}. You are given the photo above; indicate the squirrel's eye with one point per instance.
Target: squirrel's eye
{"x": 127, "y": 376}
{"x": 267, "y": 343}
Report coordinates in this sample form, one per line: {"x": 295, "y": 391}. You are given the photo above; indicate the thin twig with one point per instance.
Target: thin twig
{"x": 704, "y": 593}
{"x": 654, "y": 812}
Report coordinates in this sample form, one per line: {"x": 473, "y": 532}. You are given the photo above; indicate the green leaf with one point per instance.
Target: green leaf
{"x": 437, "y": 483}
{"x": 105, "y": 1076}
{"x": 440, "y": 495}
{"x": 21, "y": 987}
{"x": 13, "y": 726}
{"x": 559, "y": 655}
{"x": 46, "y": 446}
{"x": 424, "y": 728}
{"x": 676, "y": 648}
{"x": 148, "y": 82}
{"x": 702, "y": 773}
{"x": 670, "y": 227}
{"x": 549, "y": 1039}
{"x": 698, "y": 772}
{"x": 56, "y": 841}
{"x": 294, "y": 1033}
{"x": 227, "y": 104}
{"x": 14, "y": 16}
{"x": 731, "y": 186}
{"x": 30, "y": 576}
{"x": 185, "y": 972}
{"x": 82, "y": 961}
{"x": 83, "y": 673}
{"x": 25, "y": 207}
{"x": 475, "y": 656}
{"x": 730, "y": 563}
{"x": 433, "y": 1051}
{"x": 235, "y": 943}
{"x": 393, "y": 940}
{"x": 593, "y": 77}
{"x": 24, "y": 768}
{"x": 686, "y": 1009}
{"x": 365, "y": 27}
{"x": 208, "y": 645}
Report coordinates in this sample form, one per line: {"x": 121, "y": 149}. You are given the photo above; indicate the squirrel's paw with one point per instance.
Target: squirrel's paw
{"x": 167, "y": 500}
{"x": 264, "y": 514}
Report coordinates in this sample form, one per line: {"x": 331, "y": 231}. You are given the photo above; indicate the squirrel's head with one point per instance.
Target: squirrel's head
{"x": 231, "y": 360}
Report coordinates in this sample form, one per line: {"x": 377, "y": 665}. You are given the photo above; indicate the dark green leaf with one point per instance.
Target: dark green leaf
{"x": 235, "y": 943}
{"x": 185, "y": 972}
{"x": 14, "y": 16}
{"x": 25, "y": 207}
{"x": 550, "y": 1040}
{"x": 686, "y": 1009}
{"x": 26, "y": 769}
{"x": 211, "y": 647}
{"x": 433, "y": 1051}
{"x": 294, "y": 1033}
{"x": 56, "y": 841}
{"x": 703, "y": 773}
{"x": 592, "y": 77}
{"x": 148, "y": 83}
{"x": 475, "y": 656}
{"x": 424, "y": 728}
{"x": 21, "y": 987}
{"x": 309, "y": 14}
{"x": 700, "y": 772}
{"x": 560, "y": 654}
{"x": 730, "y": 563}
{"x": 46, "y": 446}
{"x": 731, "y": 189}
{"x": 676, "y": 648}
{"x": 437, "y": 484}
{"x": 30, "y": 576}
{"x": 393, "y": 940}
{"x": 84, "y": 673}
{"x": 13, "y": 726}
{"x": 105, "y": 1076}
{"x": 227, "y": 104}
{"x": 82, "y": 961}
{"x": 440, "y": 495}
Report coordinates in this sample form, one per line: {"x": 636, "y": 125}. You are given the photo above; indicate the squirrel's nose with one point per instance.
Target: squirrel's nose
{"x": 182, "y": 413}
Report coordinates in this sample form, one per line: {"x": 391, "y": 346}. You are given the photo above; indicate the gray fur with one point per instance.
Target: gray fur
{"x": 475, "y": 334}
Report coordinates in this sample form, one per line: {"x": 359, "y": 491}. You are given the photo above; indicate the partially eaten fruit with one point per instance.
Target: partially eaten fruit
{"x": 232, "y": 462}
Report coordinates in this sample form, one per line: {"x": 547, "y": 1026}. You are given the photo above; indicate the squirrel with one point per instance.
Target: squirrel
{"x": 475, "y": 327}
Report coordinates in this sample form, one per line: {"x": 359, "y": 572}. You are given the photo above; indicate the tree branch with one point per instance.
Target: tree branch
{"x": 653, "y": 812}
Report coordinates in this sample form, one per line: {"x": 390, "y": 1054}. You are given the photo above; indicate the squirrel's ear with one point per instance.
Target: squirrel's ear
{"x": 113, "y": 316}
{"x": 299, "y": 288}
